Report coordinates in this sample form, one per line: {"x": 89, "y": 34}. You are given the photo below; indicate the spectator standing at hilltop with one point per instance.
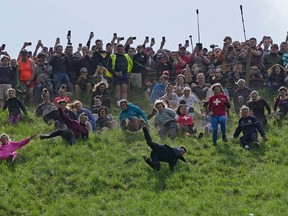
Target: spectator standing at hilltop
{"x": 100, "y": 55}
{"x": 60, "y": 64}
{"x": 120, "y": 66}
{"x": 272, "y": 58}
{"x": 182, "y": 60}
{"x": 7, "y": 79}
{"x": 26, "y": 73}
{"x": 43, "y": 77}
{"x": 256, "y": 54}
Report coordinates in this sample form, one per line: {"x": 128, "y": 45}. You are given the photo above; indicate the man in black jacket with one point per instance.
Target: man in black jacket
{"x": 162, "y": 153}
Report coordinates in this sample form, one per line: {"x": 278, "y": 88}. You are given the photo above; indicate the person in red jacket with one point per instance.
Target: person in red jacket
{"x": 217, "y": 105}
{"x": 75, "y": 129}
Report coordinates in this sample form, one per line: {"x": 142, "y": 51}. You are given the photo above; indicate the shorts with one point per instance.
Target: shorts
{"x": 120, "y": 81}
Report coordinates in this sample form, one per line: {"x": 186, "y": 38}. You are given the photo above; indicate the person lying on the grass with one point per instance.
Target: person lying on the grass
{"x": 132, "y": 117}
{"x": 9, "y": 147}
{"x": 54, "y": 116}
{"x": 248, "y": 125}
{"x": 75, "y": 130}
{"x": 162, "y": 153}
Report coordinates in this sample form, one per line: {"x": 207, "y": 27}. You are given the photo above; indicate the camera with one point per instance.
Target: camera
{"x": 28, "y": 43}
{"x": 80, "y": 45}
{"x": 212, "y": 46}
{"x": 163, "y": 38}
{"x": 121, "y": 38}
{"x": 152, "y": 40}
{"x": 133, "y": 38}
{"x": 69, "y": 33}
{"x": 3, "y": 46}
{"x": 115, "y": 35}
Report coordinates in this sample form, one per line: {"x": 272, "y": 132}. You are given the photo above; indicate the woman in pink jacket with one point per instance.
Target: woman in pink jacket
{"x": 8, "y": 147}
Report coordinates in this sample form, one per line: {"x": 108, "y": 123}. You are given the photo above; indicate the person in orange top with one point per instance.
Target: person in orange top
{"x": 26, "y": 73}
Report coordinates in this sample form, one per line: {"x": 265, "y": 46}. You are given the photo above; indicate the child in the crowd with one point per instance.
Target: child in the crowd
{"x": 14, "y": 106}
{"x": 62, "y": 95}
{"x": 186, "y": 122}
{"x": 105, "y": 120}
{"x": 9, "y": 147}
{"x": 248, "y": 125}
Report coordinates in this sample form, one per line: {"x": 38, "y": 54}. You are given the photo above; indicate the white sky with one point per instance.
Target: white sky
{"x": 33, "y": 20}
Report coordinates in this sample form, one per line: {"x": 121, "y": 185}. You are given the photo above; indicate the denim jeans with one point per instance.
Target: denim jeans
{"x": 215, "y": 120}
{"x": 61, "y": 78}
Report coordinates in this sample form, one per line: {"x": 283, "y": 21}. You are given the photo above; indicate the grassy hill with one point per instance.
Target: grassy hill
{"x": 107, "y": 175}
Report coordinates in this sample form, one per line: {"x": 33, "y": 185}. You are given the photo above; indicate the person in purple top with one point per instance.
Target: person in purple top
{"x": 75, "y": 130}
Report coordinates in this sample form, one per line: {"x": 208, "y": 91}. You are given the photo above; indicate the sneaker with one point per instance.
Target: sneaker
{"x": 246, "y": 147}
{"x": 42, "y": 137}
{"x": 200, "y": 136}
{"x": 257, "y": 144}
{"x": 224, "y": 138}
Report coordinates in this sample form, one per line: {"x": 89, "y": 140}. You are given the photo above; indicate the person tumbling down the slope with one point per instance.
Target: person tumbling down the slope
{"x": 9, "y": 147}
{"x": 132, "y": 118}
{"x": 162, "y": 153}
{"x": 249, "y": 125}
{"x": 75, "y": 129}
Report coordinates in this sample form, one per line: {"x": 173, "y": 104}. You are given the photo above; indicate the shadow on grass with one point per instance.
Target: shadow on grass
{"x": 159, "y": 178}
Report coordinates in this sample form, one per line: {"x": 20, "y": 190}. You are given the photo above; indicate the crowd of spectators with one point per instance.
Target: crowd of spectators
{"x": 176, "y": 77}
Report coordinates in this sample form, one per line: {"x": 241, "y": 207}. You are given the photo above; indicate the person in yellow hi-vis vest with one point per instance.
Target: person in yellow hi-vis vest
{"x": 119, "y": 67}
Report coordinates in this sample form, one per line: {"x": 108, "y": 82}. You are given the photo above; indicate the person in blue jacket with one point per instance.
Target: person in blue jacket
{"x": 132, "y": 118}
{"x": 248, "y": 125}
{"x": 158, "y": 90}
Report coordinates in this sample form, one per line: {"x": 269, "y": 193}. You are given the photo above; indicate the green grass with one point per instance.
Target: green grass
{"x": 107, "y": 176}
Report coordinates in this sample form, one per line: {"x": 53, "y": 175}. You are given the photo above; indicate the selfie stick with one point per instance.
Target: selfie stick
{"x": 197, "y": 12}
{"x": 243, "y": 22}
